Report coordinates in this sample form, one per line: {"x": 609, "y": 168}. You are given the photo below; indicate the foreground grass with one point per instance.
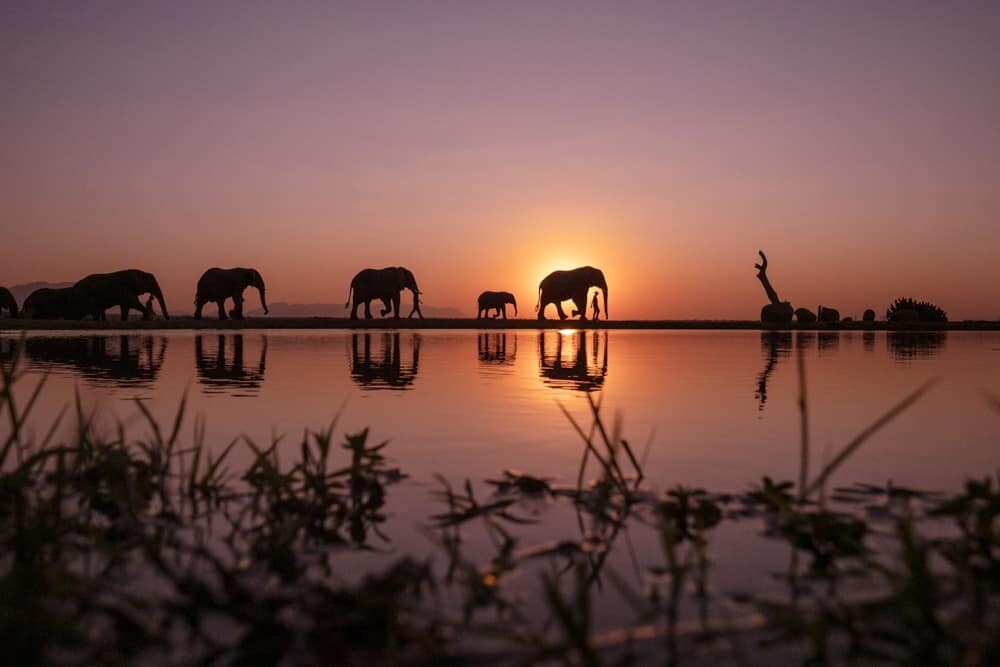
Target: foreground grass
{"x": 119, "y": 549}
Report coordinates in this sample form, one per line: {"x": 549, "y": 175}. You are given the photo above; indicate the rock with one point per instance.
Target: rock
{"x": 805, "y": 316}
{"x": 777, "y": 313}
{"x": 828, "y": 315}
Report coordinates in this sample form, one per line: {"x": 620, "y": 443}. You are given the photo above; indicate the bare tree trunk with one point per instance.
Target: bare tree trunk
{"x": 762, "y": 276}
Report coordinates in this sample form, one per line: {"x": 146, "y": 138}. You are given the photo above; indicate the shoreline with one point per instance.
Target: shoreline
{"x": 343, "y": 323}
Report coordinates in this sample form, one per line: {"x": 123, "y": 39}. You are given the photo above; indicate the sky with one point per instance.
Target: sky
{"x": 484, "y": 144}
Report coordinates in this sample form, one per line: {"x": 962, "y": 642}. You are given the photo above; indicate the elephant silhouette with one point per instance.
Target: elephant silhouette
{"x": 126, "y": 361}
{"x": 97, "y": 292}
{"x": 381, "y": 366}
{"x": 495, "y": 301}
{"x": 572, "y": 285}
{"x": 384, "y": 285}
{"x": 216, "y": 285}
{"x": 7, "y": 302}
{"x": 50, "y": 303}
{"x": 220, "y": 374}
{"x": 563, "y": 361}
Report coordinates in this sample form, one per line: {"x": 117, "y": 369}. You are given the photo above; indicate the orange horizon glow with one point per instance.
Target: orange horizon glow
{"x": 485, "y": 145}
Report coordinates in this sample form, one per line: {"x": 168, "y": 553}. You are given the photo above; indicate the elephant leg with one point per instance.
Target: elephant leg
{"x": 238, "y": 307}
{"x": 386, "y": 308}
{"x": 581, "y": 306}
{"x": 562, "y": 314}
{"x": 368, "y": 310}
{"x": 221, "y": 303}
{"x": 395, "y": 306}
{"x": 503, "y": 309}
{"x": 124, "y": 310}
{"x": 354, "y": 309}
{"x": 198, "y": 305}
{"x": 541, "y": 310}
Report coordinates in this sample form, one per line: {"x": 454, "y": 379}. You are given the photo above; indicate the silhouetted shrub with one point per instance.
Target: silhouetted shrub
{"x": 926, "y": 311}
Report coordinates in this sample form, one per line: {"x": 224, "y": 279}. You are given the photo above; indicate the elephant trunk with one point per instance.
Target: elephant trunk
{"x": 263, "y": 300}
{"x": 513, "y": 302}
{"x": 604, "y": 292}
{"x": 159, "y": 297}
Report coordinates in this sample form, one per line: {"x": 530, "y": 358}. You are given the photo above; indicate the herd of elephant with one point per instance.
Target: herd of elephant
{"x": 95, "y": 294}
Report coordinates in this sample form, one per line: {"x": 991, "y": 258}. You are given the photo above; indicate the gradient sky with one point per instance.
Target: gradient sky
{"x": 484, "y": 144}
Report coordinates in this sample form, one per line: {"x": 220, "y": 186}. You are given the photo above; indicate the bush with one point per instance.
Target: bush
{"x": 926, "y": 311}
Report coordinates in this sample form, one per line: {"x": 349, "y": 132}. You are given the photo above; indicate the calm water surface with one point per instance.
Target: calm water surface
{"x": 717, "y": 408}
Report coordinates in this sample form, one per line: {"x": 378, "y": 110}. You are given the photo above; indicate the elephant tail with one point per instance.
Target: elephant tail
{"x": 539, "y": 298}
{"x": 348, "y": 302}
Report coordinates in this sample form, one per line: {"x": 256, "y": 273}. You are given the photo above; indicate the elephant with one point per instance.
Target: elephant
{"x": 495, "y": 301}
{"x": 805, "y": 316}
{"x": 573, "y": 285}
{"x": 383, "y": 284}
{"x": 8, "y": 302}
{"x": 824, "y": 314}
{"x": 50, "y": 303}
{"x": 217, "y": 285}
{"x": 99, "y": 291}
{"x": 776, "y": 313}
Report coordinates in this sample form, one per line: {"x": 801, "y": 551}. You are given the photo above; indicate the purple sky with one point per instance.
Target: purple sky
{"x": 484, "y": 144}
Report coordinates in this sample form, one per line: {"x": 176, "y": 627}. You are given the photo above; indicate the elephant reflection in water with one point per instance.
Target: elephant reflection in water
{"x": 383, "y": 367}
{"x": 775, "y": 345}
{"x": 113, "y": 360}
{"x": 563, "y": 361}
{"x": 908, "y": 345}
{"x": 221, "y": 375}
{"x": 493, "y": 348}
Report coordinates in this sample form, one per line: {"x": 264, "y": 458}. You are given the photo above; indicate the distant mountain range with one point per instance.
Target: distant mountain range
{"x": 282, "y": 309}
{"x": 21, "y": 292}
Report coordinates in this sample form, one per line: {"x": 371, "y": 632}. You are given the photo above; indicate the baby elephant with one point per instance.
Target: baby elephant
{"x": 496, "y": 301}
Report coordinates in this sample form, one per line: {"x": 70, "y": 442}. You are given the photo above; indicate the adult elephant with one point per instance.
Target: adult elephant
{"x": 100, "y": 291}
{"x": 495, "y": 301}
{"x": 7, "y": 302}
{"x": 572, "y": 285}
{"x": 50, "y": 303}
{"x": 216, "y": 285}
{"x": 384, "y": 284}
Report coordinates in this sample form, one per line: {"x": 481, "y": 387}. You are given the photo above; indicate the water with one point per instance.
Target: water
{"x": 716, "y": 409}
{"x": 720, "y": 406}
